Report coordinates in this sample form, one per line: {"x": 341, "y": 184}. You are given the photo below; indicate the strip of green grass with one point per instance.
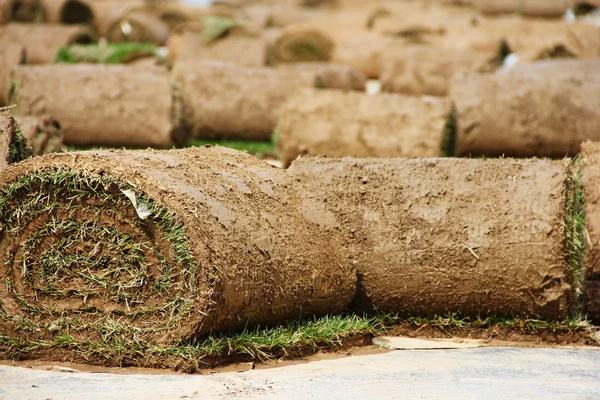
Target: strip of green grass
{"x": 113, "y": 53}
{"x": 258, "y": 148}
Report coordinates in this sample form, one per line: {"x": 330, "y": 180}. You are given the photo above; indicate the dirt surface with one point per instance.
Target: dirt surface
{"x": 329, "y": 75}
{"x": 420, "y": 235}
{"x": 526, "y": 110}
{"x": 234, "y": 253}
{"x": 42, "y": 41}
{"x": 120, "y": 106}
{"x": 337, "y": 124}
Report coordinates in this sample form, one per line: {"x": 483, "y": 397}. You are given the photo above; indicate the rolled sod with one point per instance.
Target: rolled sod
{"x": 167, "y": 245}
{"x": 69, "y": 11}
{"x": 338, "y": 124}
{"x": 13, "y": 54}
{"x": 476, "y": 237}
{"x": 43, "y": 134}
{"x": 103, "y": 105}
{"x": 427, "y": 70}
{"x": 135, "y": 26}
{"x": 544, "y": 109}
{"x": 301, "y": 44}
{"x": 13, "y": 145}
{"x": 228, "y": 101}
{"x": 42, "y": 41}
{"x": 21, "y": 11}
{"x": 533, "y": 8}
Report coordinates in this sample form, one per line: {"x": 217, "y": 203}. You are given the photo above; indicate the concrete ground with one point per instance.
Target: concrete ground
{"x": 479, "y": 373}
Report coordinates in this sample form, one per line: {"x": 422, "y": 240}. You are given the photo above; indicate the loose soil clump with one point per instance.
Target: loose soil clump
{"x": 120, "y": 106}
{"x": 420, "y": 234}
{"x": 526, "y": 110}
{"x": 149, "y": 248}
{"x": 337, "y": 124}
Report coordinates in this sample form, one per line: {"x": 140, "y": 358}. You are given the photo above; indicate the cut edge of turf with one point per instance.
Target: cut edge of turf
{"x": 575, "y": 230}
{"x": 258, "y": 148}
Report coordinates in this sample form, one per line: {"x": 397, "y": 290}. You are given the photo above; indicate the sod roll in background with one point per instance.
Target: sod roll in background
{"x": 437, "y": 236}
{"x": 43, "y": 134}
{"x": 70, "y": 11}
{"x": 544, "y": 109}
{"x": 225, "y": 100}
{"x": 13, "y": 54}
{"x": 42, "y": 41}
{"x": 534, "y": 8}
{"x": 337, "y": 124}
{"x": 102, "y": 105}
{"x": 21, "y": 11}
{"x": 168, "y": 245}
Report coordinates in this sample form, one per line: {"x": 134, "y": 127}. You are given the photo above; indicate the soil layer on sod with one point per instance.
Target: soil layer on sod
{"x": 43, "y": 134}
{"x": 228, "y": 101}
{"x": 337, "y": 124}
{"x": 42, "y": 41}
{"x": 120, "y": 106}
{"x": 149, "y": 248}
{"x": 438, "y": 236}
{"x": 526, "y": 110}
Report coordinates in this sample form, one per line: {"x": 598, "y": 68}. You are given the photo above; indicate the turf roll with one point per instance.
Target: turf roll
{"x": 169, "y": 245}
{"x": 13, "y": 145}
{"x": 337, "y": 124}
{"x": 300, "y": 44}
{"x": 103, "y": 105}
{"x": 544, "y": 109}
{"x": 136, "y": 26}
{"x": 228, "y": 101}
{"x": 21, "y": 11}
{"x": 43, "y": 134}
{"x": 42, "y": 41}
{"x": 13, "y": 54}
{"x": 69, "y": 11}
{"x": 533, "y": 8}
{"x": 420, "y": 234}
{"x": 427, "y": 70}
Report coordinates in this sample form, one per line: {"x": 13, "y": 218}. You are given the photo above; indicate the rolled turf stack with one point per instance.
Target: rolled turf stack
{"x": 336, "y": 124}
{"x": 13, "y": 54}
{"x": 21, "y": 11}
{"x": 437, "y": 236}
{"x": 301, "y": 44}
{"x": 102, "y": 105}
{"x": 166, "y": 245}
{"x": 225, "y": 100}
{"x": 544, "y": 109}
{"x": 43, "y": 41}
{"x": 69, "y": 11}
{"x": 13, "y": 145}
{"x": 43, "y": 134}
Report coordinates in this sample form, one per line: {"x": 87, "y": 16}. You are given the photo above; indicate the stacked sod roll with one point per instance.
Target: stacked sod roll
{"x": 225, "y": 100}
{"x": 437, "y": 236}
{"x": 173, "y": 245}
{"x": 103, "y": 105}
{"x": 544, "y": 109}
{"x": 42, "y": 41}
{"x": 21, "y": 11}
{"x": 336, "y": 124}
